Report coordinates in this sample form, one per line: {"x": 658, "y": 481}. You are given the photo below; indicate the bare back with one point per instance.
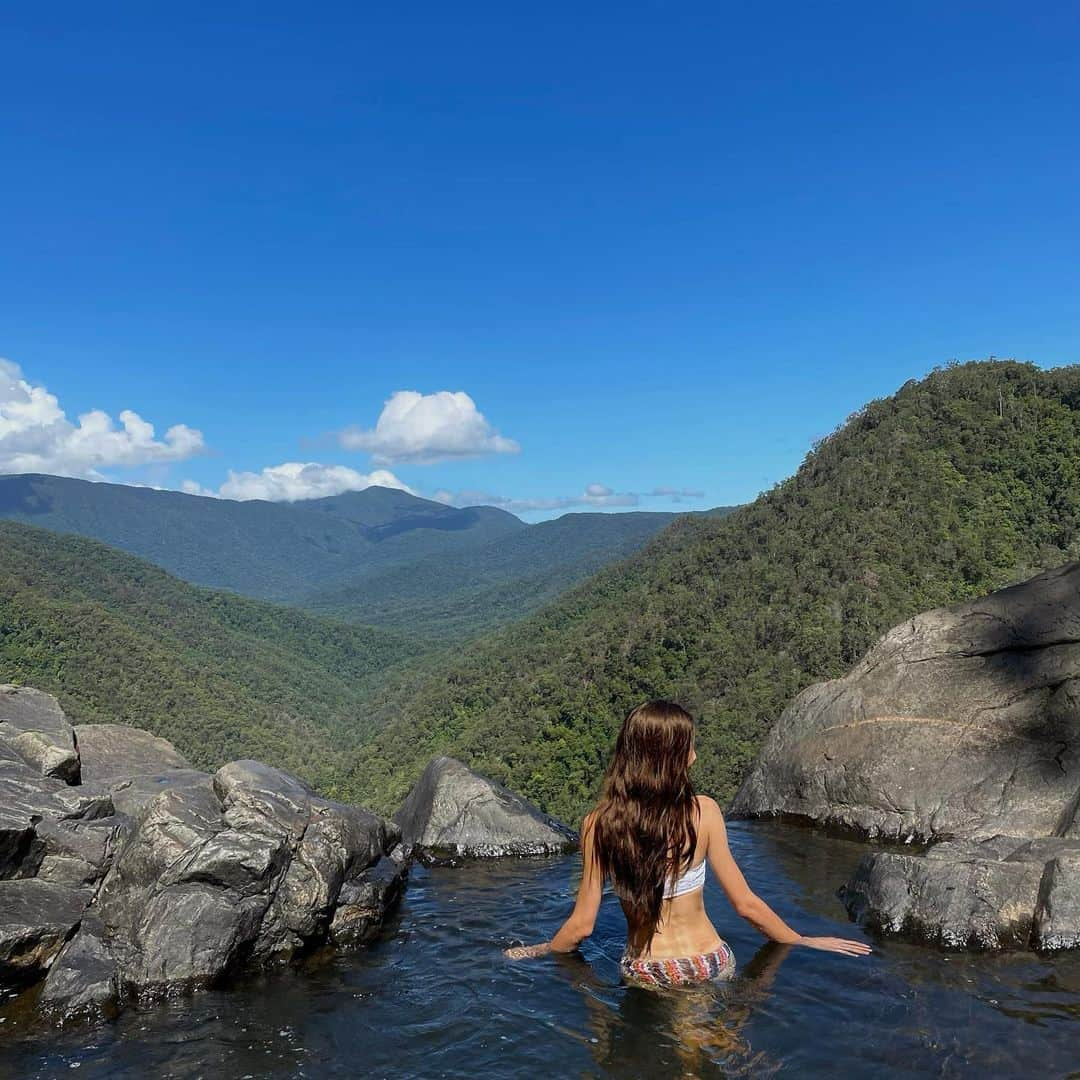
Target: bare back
{"x": 684, "y": 928}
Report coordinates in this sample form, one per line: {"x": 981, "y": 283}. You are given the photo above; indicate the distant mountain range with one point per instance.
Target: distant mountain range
{"x": 378, "y": 556}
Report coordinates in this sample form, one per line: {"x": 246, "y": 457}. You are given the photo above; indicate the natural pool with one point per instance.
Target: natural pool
{"x": 437, "y": 998}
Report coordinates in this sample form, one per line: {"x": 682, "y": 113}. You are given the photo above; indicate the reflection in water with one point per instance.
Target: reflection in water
{"x": 699, "y": 1027}
{"x": 436, "y": 997}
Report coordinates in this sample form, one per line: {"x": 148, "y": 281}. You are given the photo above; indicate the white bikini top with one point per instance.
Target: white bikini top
{"x": 694, "y": 878}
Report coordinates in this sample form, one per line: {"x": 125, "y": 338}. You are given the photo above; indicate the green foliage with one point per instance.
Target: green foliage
{"x": 118, "y": 640}
{"x": 960, "y": 483}
{"x": 459, "y": 594}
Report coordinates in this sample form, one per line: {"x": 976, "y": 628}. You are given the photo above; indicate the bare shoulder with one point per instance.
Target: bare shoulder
{"x": 710, "y": 816}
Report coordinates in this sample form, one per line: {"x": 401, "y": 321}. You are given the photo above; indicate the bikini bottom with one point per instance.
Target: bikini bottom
{"x": 680, "y": 970}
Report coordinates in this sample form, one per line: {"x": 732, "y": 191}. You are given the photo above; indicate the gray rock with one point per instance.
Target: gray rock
{"x": 960, "y": 726}
{"x": 119, "y": 752}
{"x": 28, "y": 798}
{"x": 36, "y": 918}
{"x": 452, "y": 811}
{"x": 34, "y": 727}
{"x": 956, "y": 903}
{"x": 1057, "y": 914}
{"x": 83, "y": 976}
{"x": 133, "y": 796}
{"x": 150, "y": 877}
{"x": 960, "y": 722}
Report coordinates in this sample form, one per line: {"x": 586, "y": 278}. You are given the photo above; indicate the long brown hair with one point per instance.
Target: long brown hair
{"x": 644, "y": 823}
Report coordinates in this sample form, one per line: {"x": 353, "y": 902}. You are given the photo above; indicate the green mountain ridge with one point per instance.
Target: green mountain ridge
{"x": 273, "y": 551}
{"x": 958, "y": 484}
{"x": 120, "y": 640}
{"x": 378, "y": 557}
{"x": 462, "y": 593}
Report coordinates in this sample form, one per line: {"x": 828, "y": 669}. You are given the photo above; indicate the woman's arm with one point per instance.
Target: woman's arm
{"x": 748, "y": 904}
{"x": 582, "y": 919}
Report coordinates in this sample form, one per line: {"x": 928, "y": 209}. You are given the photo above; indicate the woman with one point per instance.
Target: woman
{"x": 651, "y": 835}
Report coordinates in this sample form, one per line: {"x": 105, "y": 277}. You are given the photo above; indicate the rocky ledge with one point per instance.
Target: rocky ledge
{"x": 452, "y": 812}
{"x": 125, "y": 872}
{"x": 961, "y": 729}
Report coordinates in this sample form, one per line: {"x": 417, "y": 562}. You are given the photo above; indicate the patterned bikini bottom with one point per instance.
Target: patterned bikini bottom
{"x": 680, "y": 970}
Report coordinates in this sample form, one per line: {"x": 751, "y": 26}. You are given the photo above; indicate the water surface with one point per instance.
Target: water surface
{"x": 435, "y": 997}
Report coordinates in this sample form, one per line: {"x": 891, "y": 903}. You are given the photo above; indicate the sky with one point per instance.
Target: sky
{"x": 551, "y": 257}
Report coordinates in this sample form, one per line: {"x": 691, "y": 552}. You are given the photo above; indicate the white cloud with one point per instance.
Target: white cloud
{"x": 594, "y": 495}
{"x": 295, "y": 480}
{"x": 425, "y": 428}
{"x": 37, "y": 436}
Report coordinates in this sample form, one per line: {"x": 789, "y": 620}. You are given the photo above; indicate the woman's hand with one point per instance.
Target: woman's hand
{"x": 837, "y": 944}
{"x": 523, "y": 952}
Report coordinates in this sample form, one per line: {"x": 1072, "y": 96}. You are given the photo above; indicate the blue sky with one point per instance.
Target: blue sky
{"x": 657, "y": 246}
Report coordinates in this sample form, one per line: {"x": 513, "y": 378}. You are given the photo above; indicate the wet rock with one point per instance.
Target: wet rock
{"x": 34, "y": 728}
{"x": 36, "y": 918}
{"x": 82, "y": 979}
{"x": 955, "y": 903}
{"x": 452, "y": 811}
{"x": 363, "y": 901}
{"x": 1057, "y": 915}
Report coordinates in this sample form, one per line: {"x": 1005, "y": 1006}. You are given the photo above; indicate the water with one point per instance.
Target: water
{"x": 436, "y": 998}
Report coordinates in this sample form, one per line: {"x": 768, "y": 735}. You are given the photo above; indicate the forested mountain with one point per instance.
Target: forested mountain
{"x": 377, "y": 557}
{"x": 275, "y": 551}
{"x": 462, "y": 593}
{"x": 117, "y": 639}
{"x": 959, "y": 483}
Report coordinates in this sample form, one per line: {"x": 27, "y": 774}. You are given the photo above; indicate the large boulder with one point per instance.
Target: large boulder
{"x": 452, "y": 811}
{"x": 34, "y": 729}
{"x": 961, "y": 724}
{"x": 150, "y": 877}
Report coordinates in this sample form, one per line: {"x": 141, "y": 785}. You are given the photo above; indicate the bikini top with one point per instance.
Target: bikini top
{"x": 694, "y": 878}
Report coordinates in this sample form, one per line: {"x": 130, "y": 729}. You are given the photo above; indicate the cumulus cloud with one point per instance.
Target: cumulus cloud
{"x": 295, "y": 480}
{"x": 594, "y": 495}
{"x": 37, "y": 436}
{"x": 425, "y": 428}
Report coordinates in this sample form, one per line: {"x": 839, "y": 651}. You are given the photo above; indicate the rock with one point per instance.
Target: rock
{"x": 955, "y": 903}
{"x": 132, "y": 796}
{"x": 453, "y": 811}
{"x": 116, "y": 751}
{"x": 33, "y": 727}
{"x": 363, "y": 901}
{"x": 83, "y": 976}
{"x": 960, "y": 722}
{"x": 961, "y": 726}
{"x": 150, "y": 877}
{"x": 26, "y": 799}
{"x": 1057, "y": 914}
{"x": 250, "y": 868}
{"x": 36, "y": 918}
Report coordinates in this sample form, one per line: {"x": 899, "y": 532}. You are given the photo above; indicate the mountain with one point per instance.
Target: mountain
{"x": 378, "y": 557}
{"x": 958, "y": 484}
{"x": 275, "y": 551}
{"x": 462, "y": 593}
{"x": 117, "y": 639}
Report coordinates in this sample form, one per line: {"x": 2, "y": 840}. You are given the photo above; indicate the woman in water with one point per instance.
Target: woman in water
{"x": 652, "y": 836}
